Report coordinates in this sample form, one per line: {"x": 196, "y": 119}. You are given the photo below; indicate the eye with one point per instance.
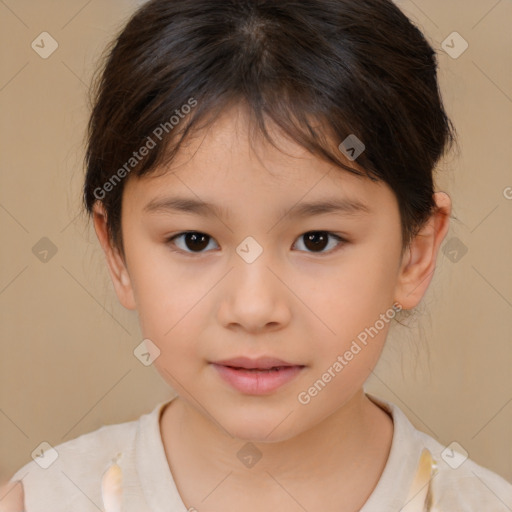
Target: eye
{"x": 196, "y": 242}
{"x": 193, "y": 240}
{"x": 318, "y": 240}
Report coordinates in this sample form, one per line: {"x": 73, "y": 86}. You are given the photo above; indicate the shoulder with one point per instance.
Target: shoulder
{"x": 459, "y": 483}
{"x": 68, "y": 475}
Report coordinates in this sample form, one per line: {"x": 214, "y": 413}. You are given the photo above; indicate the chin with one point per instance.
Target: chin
{"x": 261, "y": 428}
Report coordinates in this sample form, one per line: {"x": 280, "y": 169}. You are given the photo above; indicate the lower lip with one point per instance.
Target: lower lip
{"x": 257, "y": 382}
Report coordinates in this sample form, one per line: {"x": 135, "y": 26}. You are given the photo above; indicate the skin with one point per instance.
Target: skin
{"x": 300, "y": 305}
{"x": 12, "y": 497}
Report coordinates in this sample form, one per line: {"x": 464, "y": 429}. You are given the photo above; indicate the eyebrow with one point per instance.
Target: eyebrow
{"x": 344, "y": 206}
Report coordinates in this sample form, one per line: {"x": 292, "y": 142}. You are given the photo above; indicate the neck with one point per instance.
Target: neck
{"x": 357, "y": 436}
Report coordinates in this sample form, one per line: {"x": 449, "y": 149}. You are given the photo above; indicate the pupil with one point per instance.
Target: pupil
{"x": 196, "y": 238}
{"x": 318, "y": 240}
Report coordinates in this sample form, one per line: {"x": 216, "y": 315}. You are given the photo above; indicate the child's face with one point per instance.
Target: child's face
{"x": 297, "y": 301}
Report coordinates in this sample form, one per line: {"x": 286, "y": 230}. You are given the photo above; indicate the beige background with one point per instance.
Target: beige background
{"x": 67, "y": 363}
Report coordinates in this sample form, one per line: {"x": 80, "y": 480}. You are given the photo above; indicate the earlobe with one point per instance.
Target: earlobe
{"x": 418, "y": 265}
{"x": 115, "y": 262}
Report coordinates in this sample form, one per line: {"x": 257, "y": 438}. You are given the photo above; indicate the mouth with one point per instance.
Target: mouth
{"x": 260, "y": 363}
{"x": 260, "y": 370}
{"x": 257, "y": 376}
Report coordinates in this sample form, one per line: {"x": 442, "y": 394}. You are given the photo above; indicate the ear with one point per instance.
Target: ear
{"x": 419, "y": 260}
{"x": 116, "y": 264}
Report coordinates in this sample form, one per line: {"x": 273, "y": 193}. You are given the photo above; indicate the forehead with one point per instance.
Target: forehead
{"x": 230, "y": 161}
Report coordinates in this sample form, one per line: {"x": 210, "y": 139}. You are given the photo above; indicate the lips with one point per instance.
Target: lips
{"x": 258, "y": 376}
{"x": 260, "y": 363}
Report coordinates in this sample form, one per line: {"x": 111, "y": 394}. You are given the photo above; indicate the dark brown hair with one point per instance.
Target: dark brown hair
{"x": 321, "y": 70}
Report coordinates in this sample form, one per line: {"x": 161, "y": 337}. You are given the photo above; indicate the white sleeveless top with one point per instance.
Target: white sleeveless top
{"x": 73, "y": 482}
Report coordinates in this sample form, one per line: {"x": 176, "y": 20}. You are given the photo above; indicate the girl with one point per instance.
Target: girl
{"x": 293, "y": 143}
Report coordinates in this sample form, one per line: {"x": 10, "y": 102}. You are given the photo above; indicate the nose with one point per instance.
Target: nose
{"x": 255, "y": 297}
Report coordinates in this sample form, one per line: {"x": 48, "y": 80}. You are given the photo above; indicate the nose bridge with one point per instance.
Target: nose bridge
{"x": 254, "y": 296}
{"x": 252, "y": 263}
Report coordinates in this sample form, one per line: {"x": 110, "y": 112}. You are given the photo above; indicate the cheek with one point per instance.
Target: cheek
{"x": 349, "y": 299}
{"x": 170, "y": 318}
{"x": 356, "y": 305}
{"x": 157, "y": 289}
{"x": 172, "y": 303}
{"x": 351, "y": 295}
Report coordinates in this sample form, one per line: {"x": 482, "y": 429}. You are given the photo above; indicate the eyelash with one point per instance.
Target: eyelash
{"x": 170, "y": 241}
